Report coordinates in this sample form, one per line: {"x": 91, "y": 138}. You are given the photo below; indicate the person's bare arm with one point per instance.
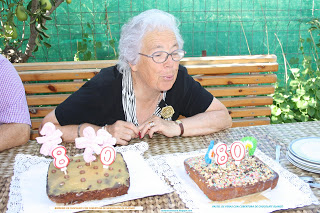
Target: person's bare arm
{"x": 121, "y": 130}
{"x": 70, "y": 132}
{"x": 13, "y": 134}
{"x": 214, "y": 119}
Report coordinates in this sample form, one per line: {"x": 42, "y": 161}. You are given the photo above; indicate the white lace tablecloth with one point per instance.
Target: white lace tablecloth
{"x": 28, "y": 185}
{"x": 291, "y": 192}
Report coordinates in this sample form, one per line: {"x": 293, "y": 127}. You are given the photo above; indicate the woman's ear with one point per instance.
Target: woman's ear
{"x": 133, "y": 67}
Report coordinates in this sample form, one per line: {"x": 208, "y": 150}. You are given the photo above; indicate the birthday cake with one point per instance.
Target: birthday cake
{"x": 232, "y": 179}
{"x": 85, "y": 177}
{"x": 87, "y": 181}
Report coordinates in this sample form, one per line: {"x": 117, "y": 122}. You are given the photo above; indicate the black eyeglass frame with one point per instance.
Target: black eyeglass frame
{"x": 151, "y": 56}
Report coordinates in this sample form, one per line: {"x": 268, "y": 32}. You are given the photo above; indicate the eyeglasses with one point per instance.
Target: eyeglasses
{"x": 161, "y": 56}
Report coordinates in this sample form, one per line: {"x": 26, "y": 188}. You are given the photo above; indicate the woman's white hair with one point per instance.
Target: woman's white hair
{"x": 133, "y": 32}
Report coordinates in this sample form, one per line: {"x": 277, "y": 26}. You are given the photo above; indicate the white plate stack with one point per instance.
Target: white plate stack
{"x": 305, "y": 153}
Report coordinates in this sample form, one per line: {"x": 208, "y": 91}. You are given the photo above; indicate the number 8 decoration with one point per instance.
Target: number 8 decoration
{"x": 221, "y": 155}
{"x": 61, "y": 160}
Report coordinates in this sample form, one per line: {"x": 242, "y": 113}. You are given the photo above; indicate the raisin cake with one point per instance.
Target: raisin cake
{"x": 87, "y": 181}
{"x": 223, "y": 183}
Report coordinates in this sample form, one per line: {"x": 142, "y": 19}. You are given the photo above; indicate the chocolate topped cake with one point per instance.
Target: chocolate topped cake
{"x": 87, "y": 181}
{"x": 231, "y": 180}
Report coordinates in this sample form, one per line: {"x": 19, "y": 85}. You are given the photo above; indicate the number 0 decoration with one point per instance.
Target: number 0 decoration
{"x": 107, "y": 156}
{"x": 238, "y": 151}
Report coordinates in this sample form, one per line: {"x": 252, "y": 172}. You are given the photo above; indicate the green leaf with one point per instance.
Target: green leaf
{"x": 29, "y": 6}
{"x": 294, "y": 60}
{"x": 38, "y": 42}
{"x": 318, "y": 114}
{"x": 46, "y": 17}
{"x": 294, "y": 83}
{"x": 38, "y": 29}
{"x": 47, "y": 44}
{"x": 308, "y": 58}
{"x": 274, "y": 119}
{"x": 33, "y": 21}
{"x": 36, "y": 49}
{"x": 112, "y": 43}
{"x": 45, "y": 34}
{"x": 295, "y": 70}
{"x": 279, "y": 98}
{"x": 295, "y": 98}
{"x": 43, "y": 27}
{"x": 317, "y": 82}
{"x": 276, "y": 111}
{"x": 11, "y": 5}
{"x": 98, "y": 44}
{"x": 291, "y": 115}
{"x": 304, "y": 118}
{"x": 312, "y": 102}
{"x": 285, "y": 107}
{"x": 87, "y": 56}
{"x": 301, "y": 91}
{"x": 76, "y": 57}
{"x": 82, "y": 47}
{"x": 318, "y": 94}
{"x": 10, "y": 16}
{"x": 311, "y": 111}
{"x": 284, "y": 117}
{"x": 302, "y": 104}
{"x": 306, "y": 97}
{"x": 292, "y": 104}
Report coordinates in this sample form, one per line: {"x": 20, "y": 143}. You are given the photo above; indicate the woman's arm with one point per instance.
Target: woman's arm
{"x": 214, "y": 119}
{"x": 121, "y": 130}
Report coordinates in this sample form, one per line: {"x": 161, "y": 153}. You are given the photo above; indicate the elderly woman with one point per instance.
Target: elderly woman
{"x": 145, "y": 92}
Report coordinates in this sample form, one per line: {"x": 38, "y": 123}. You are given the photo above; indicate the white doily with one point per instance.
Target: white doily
{"x": 291, "y": 192}
{"x": 28, "y": 185}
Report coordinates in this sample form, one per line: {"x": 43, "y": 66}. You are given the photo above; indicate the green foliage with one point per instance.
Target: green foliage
{"x": 299, "y": 99}
{"x": 87, "y": 47}
{"x": 34, "y": 15}
{"x": 84, "y": 52}
{"x": 12, "y": 9}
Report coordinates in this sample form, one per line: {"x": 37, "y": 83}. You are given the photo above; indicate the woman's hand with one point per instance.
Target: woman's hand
{"x": 123, "y": 131}
{"x": 157, "y": 124}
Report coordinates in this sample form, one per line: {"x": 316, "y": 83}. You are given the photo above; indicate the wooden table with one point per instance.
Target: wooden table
{"x": 268, "y": 137}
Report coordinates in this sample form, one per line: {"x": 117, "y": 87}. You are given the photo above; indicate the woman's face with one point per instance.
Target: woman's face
{"x": 156, "y": 76}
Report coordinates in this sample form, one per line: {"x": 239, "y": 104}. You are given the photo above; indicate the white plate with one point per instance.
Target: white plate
{"x": 307, "y": 149}
{"x": 301, "y": 166}
{"x": 302, "y": 162}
